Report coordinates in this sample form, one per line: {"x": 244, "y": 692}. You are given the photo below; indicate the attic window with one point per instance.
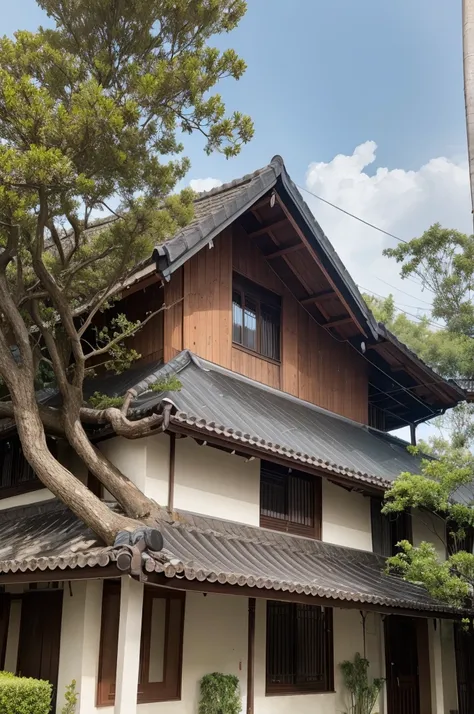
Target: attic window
{"x": 256, "y": 318}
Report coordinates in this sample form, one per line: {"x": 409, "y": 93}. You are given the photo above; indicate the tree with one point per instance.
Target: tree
{"x": 89, "y": 118}
{"x": 444, "y": 262}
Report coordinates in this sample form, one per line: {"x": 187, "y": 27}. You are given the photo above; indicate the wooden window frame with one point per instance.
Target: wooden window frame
{"x": 148, "y": 692}
{"x": 327, "y": 685}
{"x": 286, "y": 525}
{"x": 260, "y": 296}
{"x": 385, "y": 529}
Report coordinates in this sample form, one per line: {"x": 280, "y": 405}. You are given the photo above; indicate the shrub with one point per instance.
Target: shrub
{"x": 20, "y": 695}
{"x": 220, "y": 694}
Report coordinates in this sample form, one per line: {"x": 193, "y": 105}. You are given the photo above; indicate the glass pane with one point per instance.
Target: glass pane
{"x": 280, "y": 642}
{"x": 237, "y": 317}
{"x": 157, "y": 640}
{"x": 273, "y": 501}
{"x": 250, "y": 324}
{"x": 270, "y": 332}
{"x": 301, "y": 497}
{"x": 311, "y": 648}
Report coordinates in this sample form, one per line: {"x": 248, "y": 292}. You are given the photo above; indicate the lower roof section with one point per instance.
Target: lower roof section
{"x": 48, "y": 541}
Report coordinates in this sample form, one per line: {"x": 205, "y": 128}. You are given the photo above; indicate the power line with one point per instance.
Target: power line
{"x": 403, "y": 291}
{"x": 397, "y": 304}
{"x": 410, "y": 314}
{"x": 348, "y": 213}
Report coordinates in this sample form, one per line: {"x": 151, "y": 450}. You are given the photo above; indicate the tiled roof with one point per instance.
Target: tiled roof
{"x": 49, "y": 537}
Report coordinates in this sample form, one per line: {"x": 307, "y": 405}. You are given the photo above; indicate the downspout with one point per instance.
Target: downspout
{"x": 251, "y": 657}
{"x": 171, "y": 470}
{"x": 413, "y": 434}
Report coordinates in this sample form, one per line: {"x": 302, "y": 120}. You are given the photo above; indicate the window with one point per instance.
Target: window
{"x": 290, "y": 500}
{"x": 299, "y": 648}
{"x": 16, "y": 475}
{"x": 160, "y": 650}
{"x": 388, "y": 530}
{"x": 256, "y": 316}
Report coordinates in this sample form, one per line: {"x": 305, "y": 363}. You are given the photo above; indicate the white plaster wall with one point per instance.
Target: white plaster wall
{"x": 430, "y": 528}
{"x": 346, "y": 517}
{"x": 129, "y": 455}
{"x": 449, "y": 666}
{"x": 157, "y": 467}
{"x": 25, "y": 499}
{"x": 215, "y": 483}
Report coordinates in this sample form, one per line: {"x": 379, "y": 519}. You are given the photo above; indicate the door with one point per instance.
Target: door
{"x": 40, "y": 634}
{"x": 464, "y": 645}
{"x": 401, "y": 653}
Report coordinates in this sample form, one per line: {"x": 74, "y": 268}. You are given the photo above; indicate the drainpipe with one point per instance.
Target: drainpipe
{"x": 251, "y": 656}
{"x": 413, "y": 434}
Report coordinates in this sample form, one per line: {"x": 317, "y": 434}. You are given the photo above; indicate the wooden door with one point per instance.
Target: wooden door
{"x": 464, "y": 644}
{"x": 40, "y": 634}
{"x": 401, "y": 652}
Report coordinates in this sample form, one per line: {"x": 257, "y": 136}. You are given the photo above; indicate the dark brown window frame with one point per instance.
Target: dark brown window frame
{"x": 326, "y": 646}
{"x": 388, "y": 530}
{"x": 148, "y": 692}
{"x": 261, "y": 297}
{"x": 287, "y": 525}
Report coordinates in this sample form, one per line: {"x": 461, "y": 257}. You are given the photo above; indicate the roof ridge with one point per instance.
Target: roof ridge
{"x": 246, "y": 178}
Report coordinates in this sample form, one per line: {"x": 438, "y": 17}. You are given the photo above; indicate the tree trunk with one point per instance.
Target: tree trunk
{"x": 61, "y": 482}
{"x": 133, "y": 501}
{"x": 468, "y": 56}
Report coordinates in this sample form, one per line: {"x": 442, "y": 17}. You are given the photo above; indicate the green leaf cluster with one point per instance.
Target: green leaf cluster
{"x": 71, "y": 699}
{"x": 103, "y": 401}
{"x": 167, "y": 384}
{"x": 220, "y": 694}
{"x": 22, "y": 695}
{"x": 363, "y": 692}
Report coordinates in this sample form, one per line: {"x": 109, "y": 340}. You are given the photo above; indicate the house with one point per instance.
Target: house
{"x": 270, "y": 465}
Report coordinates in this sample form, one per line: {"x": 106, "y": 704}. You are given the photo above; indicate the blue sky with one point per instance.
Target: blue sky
{"x": 364, "y": 101}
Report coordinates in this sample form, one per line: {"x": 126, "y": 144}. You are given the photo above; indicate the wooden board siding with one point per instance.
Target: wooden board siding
{"x": 207, "y": 328}
{"x": 173, "y": 318}
{"x": 148, "y": 342}
{"x": 315, "y": 366}
{"x": 255, "y": 367}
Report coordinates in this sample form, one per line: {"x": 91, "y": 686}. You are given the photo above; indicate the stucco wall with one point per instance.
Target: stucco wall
{"x": 215, "y": 483}
{"x": 346, "y": 517}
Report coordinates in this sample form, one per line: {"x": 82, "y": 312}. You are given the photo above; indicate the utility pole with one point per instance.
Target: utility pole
{"x": 468, "y": 61}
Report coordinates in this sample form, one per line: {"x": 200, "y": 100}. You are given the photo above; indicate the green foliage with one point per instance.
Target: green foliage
{"x": 92, "y": 111}
{"x": 21, "y": 695}
{"x": 444, "y": 261}
{"x": 362, "y": 691}
{"x": 450, "y": 580}
{"x": 71, "y": 699}
{"x": 103, "y": 401}
{"x": 167, "y": 384}
{"x": 220, "y": 694}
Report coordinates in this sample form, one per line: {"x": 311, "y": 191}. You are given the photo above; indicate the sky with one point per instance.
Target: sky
{"x": 364, "y": 102}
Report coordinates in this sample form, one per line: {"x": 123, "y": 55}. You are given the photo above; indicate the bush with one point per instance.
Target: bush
{"x": 20, "y": 695}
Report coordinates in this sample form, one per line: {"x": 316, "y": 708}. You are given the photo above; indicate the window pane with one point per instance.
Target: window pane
{"x": 273, "y": 500}
{"x": 237, "y": 317}
{"x": 270, "y": 332}
{"x": 250, "y": 324}
{"x": 311, "y": 650}
{"x": 157, "y": 640}
{"x": 301, "y": 500}
{"x": 280, "y": 643}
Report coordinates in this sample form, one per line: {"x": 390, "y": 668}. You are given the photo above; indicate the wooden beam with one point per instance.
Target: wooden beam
{"x": 318, "y": 297}
{"x": 317, "y": 260}
{"x": 284, "y": 251}
{"x": 343, "y": 320}
{"x": 270, "y": 227}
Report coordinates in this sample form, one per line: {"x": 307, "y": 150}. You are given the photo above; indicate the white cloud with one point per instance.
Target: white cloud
{"x": 401, "y": 202}
{"x": 204, "y": 184}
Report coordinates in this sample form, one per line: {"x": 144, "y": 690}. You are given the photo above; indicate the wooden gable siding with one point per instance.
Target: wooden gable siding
{"x": 314, "y": 366}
